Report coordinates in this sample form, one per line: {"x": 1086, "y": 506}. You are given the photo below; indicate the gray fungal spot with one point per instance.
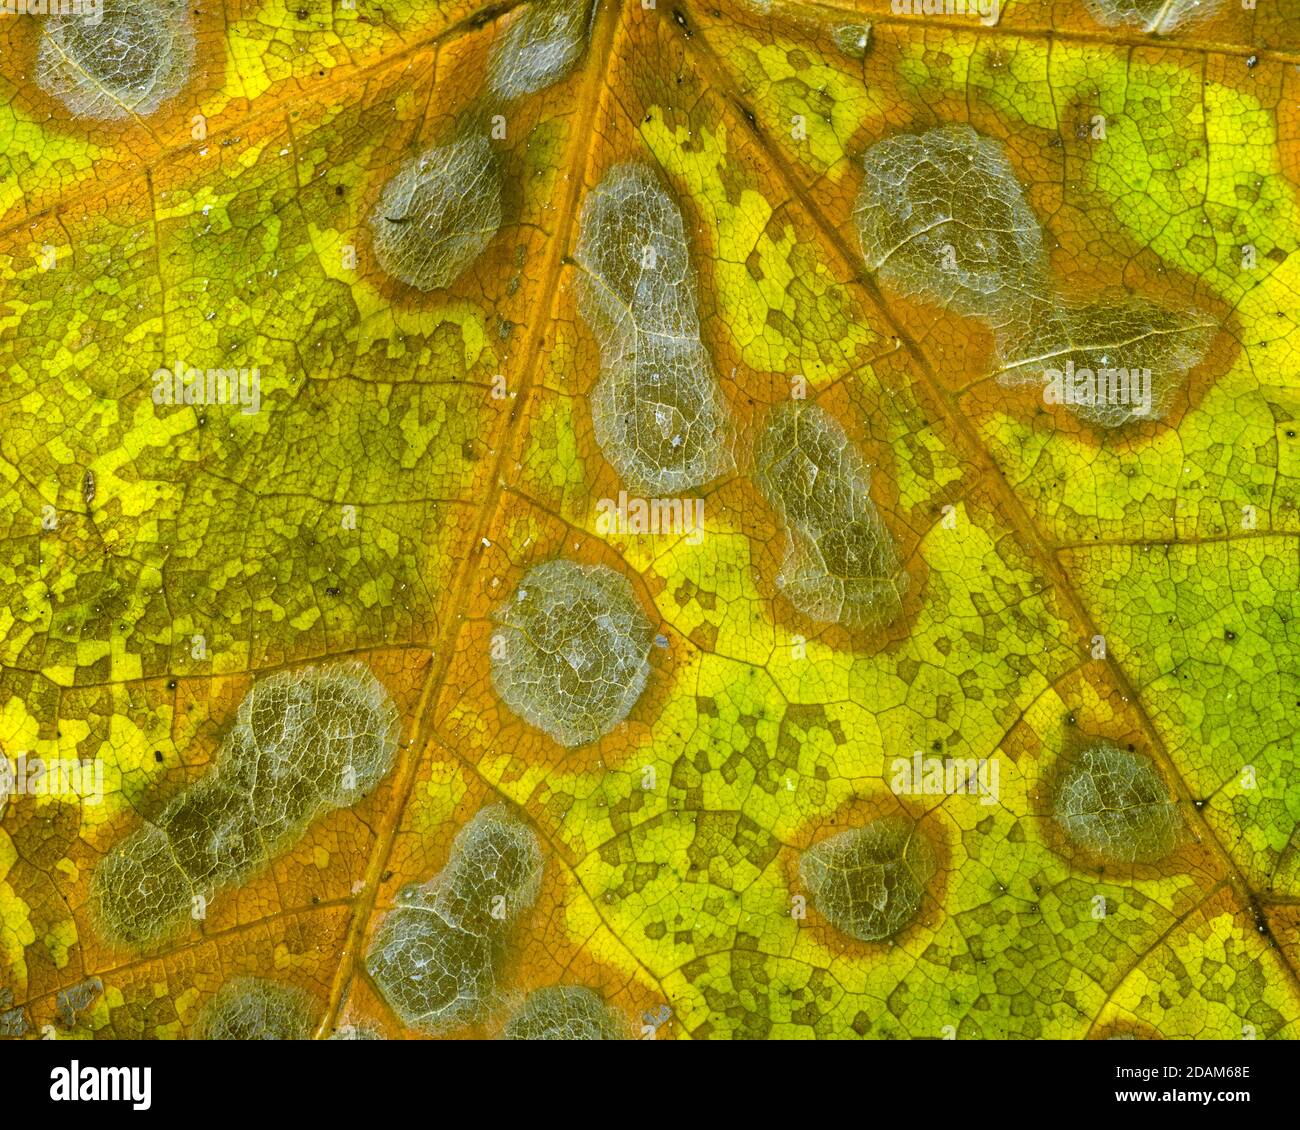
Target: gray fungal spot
{"x": 941, "y": 216}
{"x": 657, "y": 411}
{"x": 1113, "y": 804}
{"x": 840, "y": 562}
{"x": 13, "y": 1021}
{"x": 563, "y": 1012}
{"x": 570, "y": 650}
{"x": 252, "y": 1008}
{"x": 137, "y": 57}
{"x": 852, "y": 39}
{"x": 357, "y": 1032}
{"x": 76, "y": 999}
{"x": 437, "y": 955}
{"x": 541, "y": 44}
{"x": 869, "y": 882}
{"x": 1154, "y": 17}
{"x": 439, "y": 212}
{"x": 1110, "y": 362}
{"x": 304, "y": 742}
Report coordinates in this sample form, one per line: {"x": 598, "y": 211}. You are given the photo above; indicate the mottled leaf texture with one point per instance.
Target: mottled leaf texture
{"x": 605, "y": 519}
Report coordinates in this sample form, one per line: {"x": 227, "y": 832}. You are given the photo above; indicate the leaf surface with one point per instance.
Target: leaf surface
{"x": 419, "y": 449}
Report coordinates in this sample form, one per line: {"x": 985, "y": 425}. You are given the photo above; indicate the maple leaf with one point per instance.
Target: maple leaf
{"x": 586, "y": 520}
